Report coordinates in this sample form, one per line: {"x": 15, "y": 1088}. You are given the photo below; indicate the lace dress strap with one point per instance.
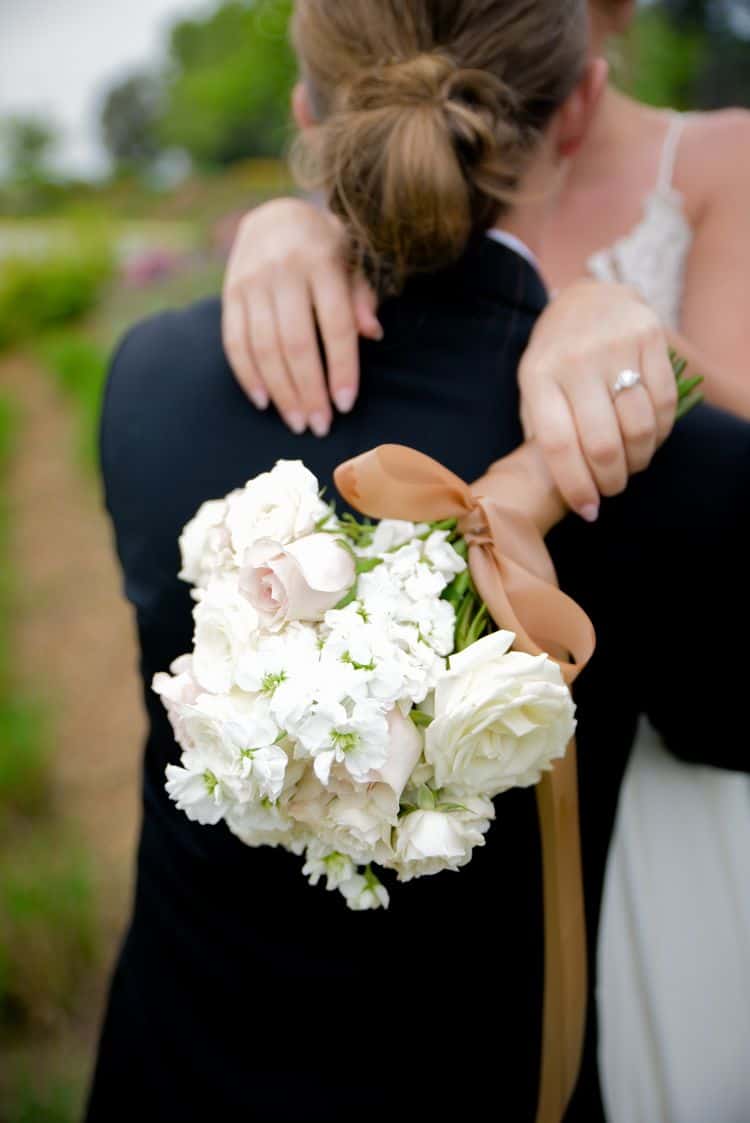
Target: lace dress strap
{"x": 669, "y": 152}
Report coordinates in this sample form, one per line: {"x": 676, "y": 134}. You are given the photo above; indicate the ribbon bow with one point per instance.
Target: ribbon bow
{"x": 509, "y": 562}
{"x": 504, "y": 518}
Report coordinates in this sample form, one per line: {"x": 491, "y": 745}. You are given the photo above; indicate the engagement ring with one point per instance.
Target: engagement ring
{"x": 626, "y": 380}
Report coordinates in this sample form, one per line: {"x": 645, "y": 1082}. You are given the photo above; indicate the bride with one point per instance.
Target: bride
{"x": 657, "y": 201}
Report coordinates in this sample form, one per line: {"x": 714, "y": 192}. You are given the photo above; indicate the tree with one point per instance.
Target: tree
{"x": 129, "y": 121}
{"x": 228, "y": 82}
{"x": 27, "y": 143}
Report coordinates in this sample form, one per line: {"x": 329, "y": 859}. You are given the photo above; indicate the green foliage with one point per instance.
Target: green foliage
{"x": 129, "y": 121}
{"x": 228, "y": 83}
{"x": 80, "y": 367}
{"x": 40, "y": 294}
{"x": 662, "y": 60}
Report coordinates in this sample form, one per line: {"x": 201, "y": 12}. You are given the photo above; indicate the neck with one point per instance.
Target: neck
{"x": 617, "y": 119}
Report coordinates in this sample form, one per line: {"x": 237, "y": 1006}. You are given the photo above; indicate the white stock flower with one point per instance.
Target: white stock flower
{"x": 359, "y": 742}
{"x": 439, "y": 553}
{"x": 431, "y": 840}
{"x": 266, "y": 824}
{"x": 204, "y": 543}
{"x": 301, "y": 581}
{"x": 199, "y": 793}
{"x": 282, "y": 504}
{"x": 224, "y": 625}
{"x": 501, "y": 718}
{"x": 271, "y": 660}
{"x": 364, "y": 892}
{"x": 389, "y": 535}
{"x": 322, "y": 862}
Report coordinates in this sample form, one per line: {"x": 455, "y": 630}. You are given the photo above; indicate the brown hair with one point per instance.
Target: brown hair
{"x": 428, "y": 110}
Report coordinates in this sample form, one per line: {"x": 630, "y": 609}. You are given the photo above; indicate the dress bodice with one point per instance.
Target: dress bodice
{"x": 652, "y": 257}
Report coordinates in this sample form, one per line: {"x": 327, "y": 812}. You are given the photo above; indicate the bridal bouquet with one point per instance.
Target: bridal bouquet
{"x": 345, "y": 697}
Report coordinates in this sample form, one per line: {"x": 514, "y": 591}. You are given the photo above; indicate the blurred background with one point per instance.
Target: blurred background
{"x": 132, "y": 137}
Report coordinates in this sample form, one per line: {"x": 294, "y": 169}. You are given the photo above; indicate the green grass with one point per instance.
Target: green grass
{"x": 23, "y": 747}
{"x": 79, "y": 365}
{"x": 57, "y": 1100}
{"x": 49, "y": 925}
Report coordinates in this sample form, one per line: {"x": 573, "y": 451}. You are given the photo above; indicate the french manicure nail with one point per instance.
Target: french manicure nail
{"x": 296, "y": 423}
{"x": 320, "y": 424}
{"x": 259, "y": 399}
{"x": 590, "y": 513}
{"x": 344, "y": 399}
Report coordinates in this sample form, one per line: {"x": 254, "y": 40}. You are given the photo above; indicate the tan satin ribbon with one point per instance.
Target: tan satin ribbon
{"x": 504, "y": 517}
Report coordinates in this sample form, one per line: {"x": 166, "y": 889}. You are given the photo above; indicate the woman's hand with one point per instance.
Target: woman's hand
{"x": 286, "y": 273}
{"x": 592, "y": 438}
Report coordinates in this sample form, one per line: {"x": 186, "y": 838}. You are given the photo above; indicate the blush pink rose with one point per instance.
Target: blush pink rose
{"x": 300, "y": 581}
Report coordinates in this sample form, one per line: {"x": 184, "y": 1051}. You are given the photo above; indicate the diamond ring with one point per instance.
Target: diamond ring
{"x": 626, "y": 380}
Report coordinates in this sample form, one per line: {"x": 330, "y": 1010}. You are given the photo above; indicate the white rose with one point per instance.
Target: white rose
{"x": 432, "y": 840}
{"x": 282, "y": 505}
{"x": 301, "y": 581}
{"x": 501, "y": 718}
{"x": 404, "y": 752}
{"x": 204, "y": 544}
{"x": 176, "y": 689}
{"x": 224, "y": 625}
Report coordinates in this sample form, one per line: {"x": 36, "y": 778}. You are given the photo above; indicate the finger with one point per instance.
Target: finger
{"x": 299, "y": 342}
{"x": 236, "y": 342}
{"x": 599, "y": 434}
{"x": 269, "y": 358}
{"x": 365, "y": 304}
{"x": 333, "y": 307}
{"x": 551, "y": 420}
{"x": 659, "y": 379}
{"x": 635, "y": 412}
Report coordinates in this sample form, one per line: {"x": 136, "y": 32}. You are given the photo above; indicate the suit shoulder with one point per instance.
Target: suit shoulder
{"x": 156, "y": 350}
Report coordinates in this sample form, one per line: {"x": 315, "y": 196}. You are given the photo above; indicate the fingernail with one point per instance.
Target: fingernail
{"x": 379, "y": 332}
{"x": 590, "y": 513}
{"x": 344, "y": 399}
{"x": 259, "y": 399}
{"x": 320, "y": 424}
{"x": 296, "y": 422}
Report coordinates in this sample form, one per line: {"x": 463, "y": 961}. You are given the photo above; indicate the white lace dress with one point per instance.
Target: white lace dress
{"x": 674, "y": 950}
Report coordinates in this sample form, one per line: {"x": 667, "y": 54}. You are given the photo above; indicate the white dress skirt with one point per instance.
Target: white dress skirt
{"x": 674, "y": 945}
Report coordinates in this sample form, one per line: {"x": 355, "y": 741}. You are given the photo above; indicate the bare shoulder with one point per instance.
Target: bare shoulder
{"x": 714, "y": 160}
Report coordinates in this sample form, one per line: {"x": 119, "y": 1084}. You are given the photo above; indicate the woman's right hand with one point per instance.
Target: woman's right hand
{"x": 592, "y": 438}
{"x": 287, "y": 274}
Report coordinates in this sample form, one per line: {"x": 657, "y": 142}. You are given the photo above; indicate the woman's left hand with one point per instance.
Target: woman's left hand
{"x": 592, "y": 437}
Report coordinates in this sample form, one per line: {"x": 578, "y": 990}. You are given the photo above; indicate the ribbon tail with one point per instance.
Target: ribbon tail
{"x": 544, "y": 619}
{"x": 565, "y": 967}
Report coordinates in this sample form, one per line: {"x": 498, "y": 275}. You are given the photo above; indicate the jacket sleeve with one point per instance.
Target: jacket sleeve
{"x": 679, "y": 533}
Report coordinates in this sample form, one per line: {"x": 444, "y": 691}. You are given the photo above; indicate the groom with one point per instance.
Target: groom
{"x": 241, "y": 992}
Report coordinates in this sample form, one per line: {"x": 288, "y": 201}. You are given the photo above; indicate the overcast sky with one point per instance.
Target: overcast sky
{"x": 58, "y": 56}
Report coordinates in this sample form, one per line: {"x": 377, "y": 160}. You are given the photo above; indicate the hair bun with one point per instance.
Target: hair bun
{"x": 434, "y": 144}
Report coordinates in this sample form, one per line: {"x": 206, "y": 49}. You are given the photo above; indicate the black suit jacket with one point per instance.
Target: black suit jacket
{"x": 241, "y": 992}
